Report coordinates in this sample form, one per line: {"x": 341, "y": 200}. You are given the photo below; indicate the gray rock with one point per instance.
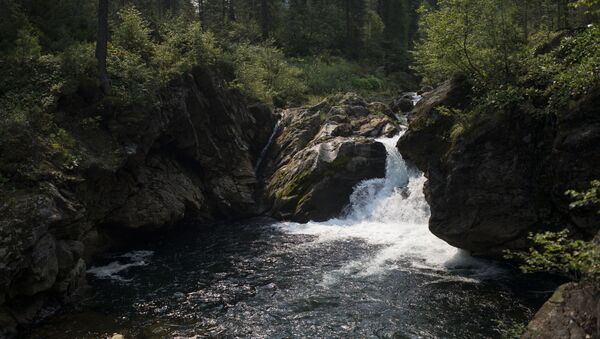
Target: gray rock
{"x": 41, "y": 272}
{"x": 487, "y": 188}
{"x": 402, "y": 105}
{"x": 321, "y": 154}
{"x": 573, "y": 312}
{"x": 140, "y": 170}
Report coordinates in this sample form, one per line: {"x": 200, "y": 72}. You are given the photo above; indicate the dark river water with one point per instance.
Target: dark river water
{"x": 376, "y": 272}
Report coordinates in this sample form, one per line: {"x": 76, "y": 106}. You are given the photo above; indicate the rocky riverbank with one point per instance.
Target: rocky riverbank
{"x": 137, "y": 171}
{"x": 202, "y": 156}
{"x": 491, "y": 186}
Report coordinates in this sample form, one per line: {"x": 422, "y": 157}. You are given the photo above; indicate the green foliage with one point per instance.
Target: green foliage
{"x": 477, "y": 38}
{"x": 62, "y": 145}
{"x": 589, "y": 197}
{"x": 27, "y": 47}
{"x": 555, "y": 252}
{"x": 132, "y": 33}
{"x": 78, "y": 65}
{"x": 589, "y": 5}
{"x": 263, "y": 72}
{"x": 183, "y": 46}
{"x": 329, "y": 75}
{"x": 373, "y": 31}
{"x": 29, "y": 91}
{"x": 569, "y": 71}
{"x": 138, "y": 64}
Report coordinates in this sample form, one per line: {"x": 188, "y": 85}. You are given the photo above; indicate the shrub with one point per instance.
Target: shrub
{"x": 78, "y": 65}
{"x": 132, "y": 33}
{"x": 325, "y": 75}
{"x": 589, "y": 197}
{"x": 27, "y": 46}
{"x": 556, "y": 252}
{"x": 183, "y": 45}
{"x": 132, "y": 81}
{"x": 478, "y": 38}
{"x": 263, "y": 72}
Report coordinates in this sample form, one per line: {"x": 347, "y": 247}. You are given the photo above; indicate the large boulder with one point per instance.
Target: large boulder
{"x": 573, "y": 312}
{"x": 506, "y": 177}
{"x": 321, "y": 153}
{"x": 317, "y": 182}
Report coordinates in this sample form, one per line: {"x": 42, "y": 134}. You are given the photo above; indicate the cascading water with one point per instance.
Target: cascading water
{"x": 391, "y": 212}
{"x": 263, "y": 152}
{"x": 376, "y": 271}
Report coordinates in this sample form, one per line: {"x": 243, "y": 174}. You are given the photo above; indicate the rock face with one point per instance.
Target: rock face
{"x": 491, "y": 186}
{"x": 573, "y": 312}
{"x": 322, "y": 153}
{"x": 138, "y": 170}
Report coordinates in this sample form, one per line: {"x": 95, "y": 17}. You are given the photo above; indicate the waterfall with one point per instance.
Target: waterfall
{"x": 263, "y": 152}
{"x": 391, "y": 213}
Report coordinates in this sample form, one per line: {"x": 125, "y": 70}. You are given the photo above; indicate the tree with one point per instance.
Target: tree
{"x": 232, "y": 10}
{"x": 101, "y": 45}
{"x": 264, "y": 18}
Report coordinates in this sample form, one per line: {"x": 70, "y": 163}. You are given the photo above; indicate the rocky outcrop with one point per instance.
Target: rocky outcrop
{"x": 321, "y": 153}
{"x": 492, "y": 183}
{"x": 137, "y": 170}
{"x": 573, "y": 312}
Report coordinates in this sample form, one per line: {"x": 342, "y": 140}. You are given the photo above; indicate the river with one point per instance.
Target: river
{"x": 375, "y": 272}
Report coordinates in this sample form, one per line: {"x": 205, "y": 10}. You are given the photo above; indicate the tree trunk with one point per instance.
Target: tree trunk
{"x": 101, "y": 45}
{"x": 232, "y": 10}
{"x": 223, "y": 10}
{"x": 264, "y": 18}
{"x": 201, "y": 13}
{"x": 348, "y": 27}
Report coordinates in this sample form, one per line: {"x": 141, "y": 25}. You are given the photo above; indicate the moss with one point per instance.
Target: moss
{"x": 301, "y": 184}
{"x": 557, "y": 297}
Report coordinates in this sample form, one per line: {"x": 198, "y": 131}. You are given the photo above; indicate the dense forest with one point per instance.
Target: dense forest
{"x": 232, "y": 109}
{"x": 281, "y": 52}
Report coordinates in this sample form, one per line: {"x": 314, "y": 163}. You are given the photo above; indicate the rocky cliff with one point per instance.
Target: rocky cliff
{"x": 134, "y": 170}
{"x": 507, "y": 175}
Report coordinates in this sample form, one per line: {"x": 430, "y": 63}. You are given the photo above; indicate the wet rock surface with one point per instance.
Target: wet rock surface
{"x": 573, "y": 312}
{"x": 488, "y": 188}
{"x": 321, "y": 153}
{"x": 141, "y": 170}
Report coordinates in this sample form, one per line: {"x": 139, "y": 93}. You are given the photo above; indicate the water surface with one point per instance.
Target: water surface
{"x": 375, "y": 272}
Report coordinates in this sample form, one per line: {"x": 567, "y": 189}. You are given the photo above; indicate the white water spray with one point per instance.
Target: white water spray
{"x": 392, "y": 213}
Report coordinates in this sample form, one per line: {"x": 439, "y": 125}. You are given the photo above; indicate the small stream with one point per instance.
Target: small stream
{"x": 375, "y": 272}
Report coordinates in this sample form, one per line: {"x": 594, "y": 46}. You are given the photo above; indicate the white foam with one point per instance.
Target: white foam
{"x": 391, "y": 212}
{"x": 128, "y": 260}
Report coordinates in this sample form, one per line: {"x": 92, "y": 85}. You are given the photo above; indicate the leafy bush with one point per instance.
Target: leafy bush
{"x": 589, "y": 197}
{"x": 263, "y": 72}
{"x": 326, "y": 75}
{"x": 478, "y": 38}
{"x": 27, "y": 47}
{"x": 78, "y": 65}
{"x": 571, "y": 70}
{"x": 556, "y": 252}
{"x": 329, "y": 75}
{"x": 132, "y": 33}
{"x": 29, "y": 91}
{"x": 132, "y": 81}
